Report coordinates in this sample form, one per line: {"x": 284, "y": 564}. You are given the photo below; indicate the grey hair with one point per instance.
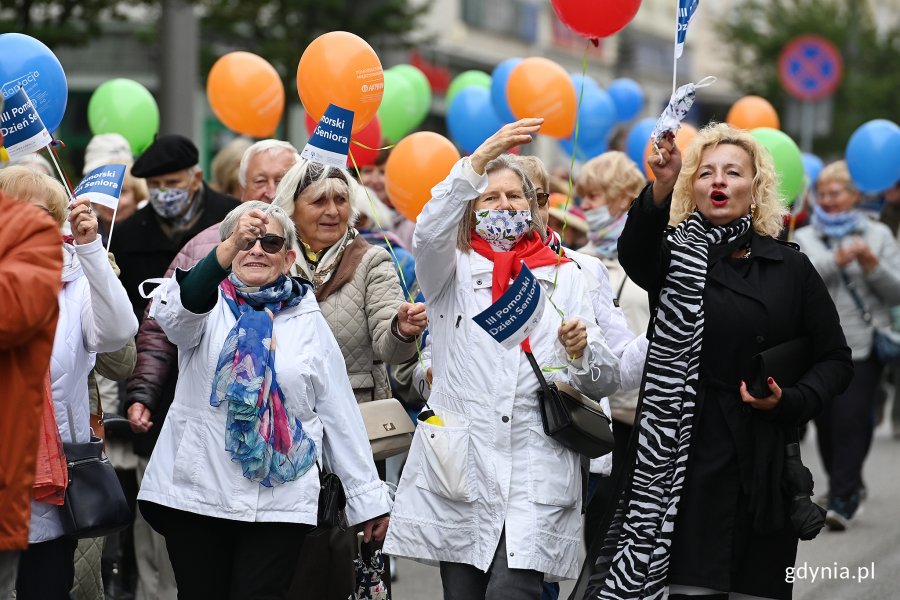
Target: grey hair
{"x": 226, "y": 227}
{"x": 504, "y": 162}
{"x": 270, "y": 145}
{"x": 306, "y": 173}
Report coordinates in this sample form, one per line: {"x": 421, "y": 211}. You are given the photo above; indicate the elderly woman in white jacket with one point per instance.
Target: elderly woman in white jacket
{"x": 488, "y": 495}
{"x": 262, "y": 394}
{"x": 94, "y": 316}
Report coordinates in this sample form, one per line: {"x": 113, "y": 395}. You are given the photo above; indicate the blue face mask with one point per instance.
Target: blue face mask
{"x": 836, "y": 225}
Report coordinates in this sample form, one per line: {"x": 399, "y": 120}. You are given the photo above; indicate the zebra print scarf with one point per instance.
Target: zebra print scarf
{"x": 635, "y": 559}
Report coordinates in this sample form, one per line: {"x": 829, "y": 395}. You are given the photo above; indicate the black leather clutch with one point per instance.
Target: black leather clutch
{"x": 785, "y": 363}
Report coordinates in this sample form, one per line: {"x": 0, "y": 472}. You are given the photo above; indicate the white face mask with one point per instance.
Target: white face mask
{"x": 598, "y": 218}
{"x": 502, "y": 228}
{"x": 169, "y": 203}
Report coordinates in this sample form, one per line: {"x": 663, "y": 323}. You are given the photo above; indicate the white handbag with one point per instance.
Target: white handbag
{"x": 388, "y": 426}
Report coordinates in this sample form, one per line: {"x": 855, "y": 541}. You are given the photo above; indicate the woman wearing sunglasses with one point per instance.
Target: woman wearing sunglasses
{"x": 233, "y": 483}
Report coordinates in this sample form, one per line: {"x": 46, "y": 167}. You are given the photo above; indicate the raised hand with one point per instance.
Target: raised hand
{"x": 84, "y": 222}
{"x": 666, "y": 165}
{"x": 250, "y": 226}
{"x": 507, "y": 137}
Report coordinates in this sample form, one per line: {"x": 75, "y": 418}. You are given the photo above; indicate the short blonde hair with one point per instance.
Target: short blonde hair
{"x": 767, "y": 206}
{"x": 536, "y": 171}
{"x": 226, "y": 165}
{"x": 613, "y": 173}
{"x": 25, "y": 184}
{"x": 836, "y": 172}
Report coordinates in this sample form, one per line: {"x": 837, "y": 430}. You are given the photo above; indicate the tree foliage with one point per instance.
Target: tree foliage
{"x": 57, "y": 22}
{"x": 870, "y": 88}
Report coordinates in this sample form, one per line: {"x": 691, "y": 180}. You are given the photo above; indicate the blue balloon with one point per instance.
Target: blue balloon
{"x": 596, "y": 117}
{"x": 812, "y": 166}
{"x": 872, "y": 156}
{"x": 583, "y": 153}
{"x": 628, "y": 98}
{"x": 471, "y": 118}
{"x": 30, "y": 64}
{"x": 637, "y": 141}
{"x": 586, "y": 80}
{"x": 499, "y": 79}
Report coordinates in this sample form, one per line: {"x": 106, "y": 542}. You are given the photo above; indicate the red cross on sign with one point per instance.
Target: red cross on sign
{"x": 810, "y": 68}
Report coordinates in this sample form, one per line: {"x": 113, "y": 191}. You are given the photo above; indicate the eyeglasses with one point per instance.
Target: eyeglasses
{"x": 543, "y": 198}
{"x": 270, "y": 243}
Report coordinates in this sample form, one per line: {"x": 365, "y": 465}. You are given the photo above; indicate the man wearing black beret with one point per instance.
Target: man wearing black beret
{"x": 181, "y": 206}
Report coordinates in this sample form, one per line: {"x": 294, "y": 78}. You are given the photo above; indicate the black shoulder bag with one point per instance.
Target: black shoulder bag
{"x": 571, "y": 418}
{"x": 95, "y": 504}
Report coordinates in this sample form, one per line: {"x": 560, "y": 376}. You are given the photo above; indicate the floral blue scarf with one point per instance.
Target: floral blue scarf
{"x": 269, "y": 443}
{"x": 837, "y": 225}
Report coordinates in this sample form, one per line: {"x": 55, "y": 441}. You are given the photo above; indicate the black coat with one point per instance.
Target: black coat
{"x": 732, "y": 531}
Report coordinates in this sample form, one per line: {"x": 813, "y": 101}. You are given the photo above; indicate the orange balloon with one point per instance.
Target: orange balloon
{"x": 538, "y": 87}
{"x": 682, "y": 140}
{"x": 417, "y": 163}
{"x": 246, "y": 94}
{"x": 751, "y": 112}
{"x": 342, "y": 69}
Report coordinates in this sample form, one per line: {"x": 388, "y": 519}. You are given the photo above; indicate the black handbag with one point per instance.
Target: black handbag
{"x": 95, "y": 504}
{"x": 571, "y": 418}
{"x": 785, "y": 363}
{"x": 332, "y": 501}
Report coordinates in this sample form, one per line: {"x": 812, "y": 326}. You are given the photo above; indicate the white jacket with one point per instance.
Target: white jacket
{"x": 490, "y": 466}
{"x": 191, "y": 470}
{"x": 94, "y": 316}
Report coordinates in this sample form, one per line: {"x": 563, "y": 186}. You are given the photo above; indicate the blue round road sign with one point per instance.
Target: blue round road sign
{"x": 810, "y": 68}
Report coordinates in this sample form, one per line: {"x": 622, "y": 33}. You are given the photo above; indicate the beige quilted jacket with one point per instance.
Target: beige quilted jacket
{"x": 360, "y": 313}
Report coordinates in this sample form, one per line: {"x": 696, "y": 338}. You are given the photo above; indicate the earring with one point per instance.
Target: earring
{"x": 752, "y": 207}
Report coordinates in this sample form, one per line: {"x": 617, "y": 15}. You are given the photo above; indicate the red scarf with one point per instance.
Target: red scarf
{"x": 530, "y": 249}
{"x": 51, "y": 474}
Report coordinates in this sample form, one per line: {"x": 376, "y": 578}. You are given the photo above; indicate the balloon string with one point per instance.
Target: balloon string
{"x": 394, "y": 256}
{"x": 562, "y": 233}
{"x": 361, "y": 145}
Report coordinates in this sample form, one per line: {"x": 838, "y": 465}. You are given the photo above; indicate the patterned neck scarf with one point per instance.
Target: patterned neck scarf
{"x": 318, "y": 267}
{"x": 269, "y": 443}
{"x": 634, "y": 561}
{"x": 605, "y": 230}
{"x": 836, "y": 225}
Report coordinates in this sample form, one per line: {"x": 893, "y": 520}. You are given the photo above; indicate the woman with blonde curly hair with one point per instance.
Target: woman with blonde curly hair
{"x": 709, "y": 499}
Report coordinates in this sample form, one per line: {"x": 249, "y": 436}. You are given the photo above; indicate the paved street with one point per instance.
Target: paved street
{"x": 873, "y": 539}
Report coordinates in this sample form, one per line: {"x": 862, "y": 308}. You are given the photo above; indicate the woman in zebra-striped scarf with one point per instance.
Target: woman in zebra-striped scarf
{"x": 703, "y": 509}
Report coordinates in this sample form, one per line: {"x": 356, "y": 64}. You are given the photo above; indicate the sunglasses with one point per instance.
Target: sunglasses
{"x": 270, "y": 243}
{"x": 543, "y": 198}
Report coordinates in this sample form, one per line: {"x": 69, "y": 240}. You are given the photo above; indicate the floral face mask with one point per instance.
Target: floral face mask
{"x": 502, "y": 228}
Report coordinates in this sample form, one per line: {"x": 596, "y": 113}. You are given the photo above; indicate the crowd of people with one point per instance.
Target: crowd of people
{"x": 224, "y": 344}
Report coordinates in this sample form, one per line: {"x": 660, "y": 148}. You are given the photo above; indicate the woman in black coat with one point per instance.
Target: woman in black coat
{"x": 706, "y": 508}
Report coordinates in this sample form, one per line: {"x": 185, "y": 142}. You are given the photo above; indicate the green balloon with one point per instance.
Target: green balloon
{"x": 787, "y": 158}
{"x": 467, "y": 79}
{"x": 125, "y": 107}
{"x": 421, "y": 88}
{"x": 397, "y": 113}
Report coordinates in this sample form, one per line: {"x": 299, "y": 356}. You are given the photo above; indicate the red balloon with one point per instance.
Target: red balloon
{"x": 370, "y": 136}
{"x": 596, "y": 19}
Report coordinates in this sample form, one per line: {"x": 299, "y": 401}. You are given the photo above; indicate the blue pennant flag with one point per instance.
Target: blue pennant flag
{"x": 21, "y": 125}
{"x": 686, "y": 11}
{"x": 103, "y": 185}
{"x": 330, "y": 141}
{"x": 516, "y": 313}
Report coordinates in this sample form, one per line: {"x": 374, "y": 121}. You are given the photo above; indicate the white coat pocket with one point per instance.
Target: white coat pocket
{"x": 553, "y": 472}
{"x": 445, "y": 462}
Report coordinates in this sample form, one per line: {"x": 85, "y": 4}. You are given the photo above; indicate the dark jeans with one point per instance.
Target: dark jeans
{"x": 844, "y": 429}
{"x": 225, "y": 559}
{"x": 47, "y": 570}
{"x": 465, "y": 582}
